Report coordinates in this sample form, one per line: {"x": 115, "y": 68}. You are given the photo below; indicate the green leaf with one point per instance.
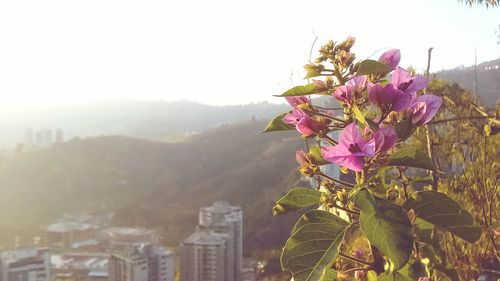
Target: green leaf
{"x": 386, "y": 226}
{"x": 410, "y": 157}
{"x": 404, "y": 129}
{"x": 427, "y": 251}
{"x": 359, "y": 115}
{"x": 442, "y": 211}
{"x": 315, "y": 153}
{"x": 313, "y": 245}
{"x": 304, "y": 90}
{"x": 311, "y": 74}
{"x": 368, "y": 67}
{"x": 372, "y": 124}
{"x": 394, "y": 276}
{"x": 417, "y": 269}
{"x": 329, "y": 274}
{"x": 448, "y": 271}
{"x": 423, "y": 231}
{"x": 295, "y": 199}
{"x": 277, "y": 124}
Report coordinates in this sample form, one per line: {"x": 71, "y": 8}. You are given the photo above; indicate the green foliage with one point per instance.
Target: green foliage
{"x": 296, "y": 198}
{"x": 305, "y": 90}
{"x": 442, "y": 211}
{"x": 313, "y": 246}
{"x": 277, "y": 124}
{"x": 410, "y": 157}
{"x": 315, "y": 153}
{"x": 387, "y": 227}
{"x": 404, "y": 129}
{"x": 369, "y": 67}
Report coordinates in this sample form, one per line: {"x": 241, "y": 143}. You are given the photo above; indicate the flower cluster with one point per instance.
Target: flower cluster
{"x": 383, "y": 103}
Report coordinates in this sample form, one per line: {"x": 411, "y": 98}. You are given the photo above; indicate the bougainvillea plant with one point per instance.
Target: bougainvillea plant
{"x": 382, "y": 225}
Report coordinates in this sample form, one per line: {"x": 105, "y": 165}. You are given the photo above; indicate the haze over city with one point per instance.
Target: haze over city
{"x": 57, "y": 53}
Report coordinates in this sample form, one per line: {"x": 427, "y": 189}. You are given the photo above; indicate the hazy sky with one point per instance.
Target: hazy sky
{"x": 215, "y": 51}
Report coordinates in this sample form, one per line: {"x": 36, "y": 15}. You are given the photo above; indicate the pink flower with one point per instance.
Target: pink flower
{"x": 390, "y": 58}
{"x": 302, "y": 157}
{"x": 351, "y": 149}
{"x": 385, "y": 138}
{"x": 294, "y": 117}
{"x": 351, "y": 90}
{"x": 310, "y": 127}
{"x": 305, "y": 124}
{"x": 402, "y": 80}
{"x": 423, "y": 108}
{"x": 297, "y": 101}
{"x": 388, "y": 98}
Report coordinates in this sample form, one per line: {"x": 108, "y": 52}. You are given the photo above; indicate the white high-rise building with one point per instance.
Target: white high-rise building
{"x": 29, "y": 137}
{"x": 219, "y": 222}
{"x": 203, "y": 257}
{"x": 142, "y": 263}
{"x": 27, "y": 264}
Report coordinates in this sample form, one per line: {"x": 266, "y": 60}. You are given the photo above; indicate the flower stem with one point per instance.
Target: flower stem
{"x": 458, "y": 119}
{"x": 356, "y": 269}
{"x": 346, "y": 210}
{"x": 330, "y": 117}
{"x": 329, "y": 139}
{"x": 350, "y": 186}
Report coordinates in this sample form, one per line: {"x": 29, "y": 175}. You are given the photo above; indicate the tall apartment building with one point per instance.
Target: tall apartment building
{"x": 142, "y": 263}
{"x": 29, "y": 137}
{"x": 26, "y": 264}
{"x": 203, "y": 257}
{"x": 220, "y": 229}
{"x": 59, "y": 135}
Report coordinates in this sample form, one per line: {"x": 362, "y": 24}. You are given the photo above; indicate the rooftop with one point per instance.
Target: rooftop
{"x": 201, "y": 237}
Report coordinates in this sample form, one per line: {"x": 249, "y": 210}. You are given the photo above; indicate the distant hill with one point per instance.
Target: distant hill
{"x": 488, "y": 80}
{"x": 153, "y": 184}
{"x": 154, "y": 120}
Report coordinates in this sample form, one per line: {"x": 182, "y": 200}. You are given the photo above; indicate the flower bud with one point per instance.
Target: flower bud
{"x": 308, "y": 170}
{"x": 391, "y": 58}
{"x": 347, "y": 44}
{"x": 328, "y": 185}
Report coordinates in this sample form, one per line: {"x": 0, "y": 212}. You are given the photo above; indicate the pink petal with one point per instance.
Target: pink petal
{"x": 391, "y": 58}
{"x": 418, "y": 83}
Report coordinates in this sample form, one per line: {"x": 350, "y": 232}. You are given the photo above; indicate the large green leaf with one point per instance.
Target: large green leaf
{"x": 410, "y": 157}
{"x": 277, "y": 124}
{"x": 442, "y": 211}
{"x": 423, "y": 231}
{"x": 295, "y": 199}
{"x": 304, "y": 90}
{"x": 368, "y": 67}
{"x": 313, "y": 245}
{"x": 329, "y": 274}
{"x": 387, "y": 227}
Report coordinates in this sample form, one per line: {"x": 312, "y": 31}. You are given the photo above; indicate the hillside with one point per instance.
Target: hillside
{"x": 153, "y": 184}
{"x": 488, "y": 80}
{"x": 153, "y": 120}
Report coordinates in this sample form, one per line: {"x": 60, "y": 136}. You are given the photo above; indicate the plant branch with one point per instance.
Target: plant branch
{"x": 350, "y": 186}
{"x": 459, "y": 119}
{"x": 345, "y": 210}
{"x": 347, "y": 257}
{"x": 356, "y": 269}
{"x": 330, "y": 117}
